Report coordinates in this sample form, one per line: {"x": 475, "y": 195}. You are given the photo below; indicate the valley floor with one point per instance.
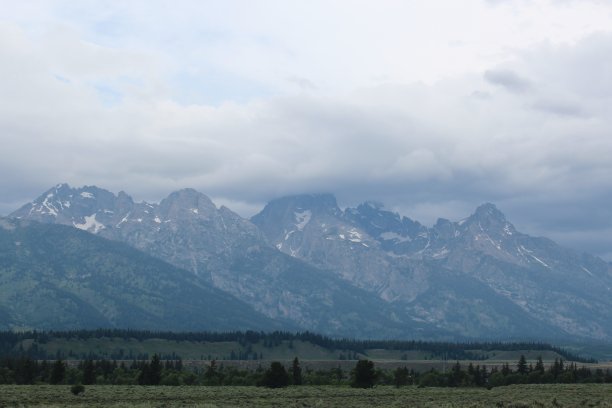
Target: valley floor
{"x": 555, "y": 395}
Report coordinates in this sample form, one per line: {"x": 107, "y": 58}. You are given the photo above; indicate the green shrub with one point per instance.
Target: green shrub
{"x": 77, "y": 389}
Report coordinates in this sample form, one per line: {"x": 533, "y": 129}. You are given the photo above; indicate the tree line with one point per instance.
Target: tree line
{"x": 24, "y": 370}
{"x": 9, "y": 342}
{"x": 559, "y": 372}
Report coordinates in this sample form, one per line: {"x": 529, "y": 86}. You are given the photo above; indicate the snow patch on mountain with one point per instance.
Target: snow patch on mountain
{"x": 124, "y": 219}
{"x": 302, "y": 218}
{"x": 354, "y": 235}
{"x": 48, "y": 206}
{"x": 442, "y": 253}
{"x": 91, "y": 224}
{"x": 393, "y": 236}
{"x": 587, "y": 271}
{"x": 540, "y": 261}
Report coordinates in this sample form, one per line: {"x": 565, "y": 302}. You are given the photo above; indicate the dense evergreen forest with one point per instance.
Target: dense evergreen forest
{"x": 11, "y": 343}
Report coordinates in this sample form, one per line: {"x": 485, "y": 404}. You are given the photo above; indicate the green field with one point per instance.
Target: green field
{"x": 592, "y": 395}
{"x": 106, "y": 347}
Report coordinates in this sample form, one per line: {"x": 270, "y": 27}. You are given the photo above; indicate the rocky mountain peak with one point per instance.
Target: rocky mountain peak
{"x": 444, "y": 227}
{"x": 66, "y": 203}
{"x": 94, "y": 197}
{"x": 295, "y": 212}
{"x": 371, "y": 204}
{"x": 371, "y": 208}
{"x": 124, "y": 200}
{"x": 190, "y": 196}
{"x": 442, "y": 223}
{"x": 376, "y": 220}
{"x": 489, "y": 212}
{"x": 62, "y": 188}
{"x": 324, "y": 203}
{"x": 189, "y": 200}
{"x": 487, "y": 217}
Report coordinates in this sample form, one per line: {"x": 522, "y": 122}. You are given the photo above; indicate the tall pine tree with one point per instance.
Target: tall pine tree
{"x": 296, "y": 372}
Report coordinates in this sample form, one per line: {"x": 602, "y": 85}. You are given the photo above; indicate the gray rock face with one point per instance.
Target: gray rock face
{"x": 505, "y": 283}
{"x": 361, "y": 271}
{"x": 57, "y": 277}
{"x": 187, "y": 230}
{"x": 314, "y": 229}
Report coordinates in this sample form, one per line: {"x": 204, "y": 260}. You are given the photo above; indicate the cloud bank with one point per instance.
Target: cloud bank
{"x": 431, "y": 109}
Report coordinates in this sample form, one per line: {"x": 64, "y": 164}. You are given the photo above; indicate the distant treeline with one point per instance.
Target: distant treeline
{"x": 24, "y": 370}
{"x": 442, "y": 350}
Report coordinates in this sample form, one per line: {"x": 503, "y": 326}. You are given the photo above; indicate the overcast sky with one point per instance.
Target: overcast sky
{"x": 430, "y": 107}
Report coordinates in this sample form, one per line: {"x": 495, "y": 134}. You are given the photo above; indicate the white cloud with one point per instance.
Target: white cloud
{"x": 402, "y": 102}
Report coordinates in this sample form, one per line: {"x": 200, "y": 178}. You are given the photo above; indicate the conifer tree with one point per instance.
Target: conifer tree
{"x": 276, "y": 376}
{"x": 155, "y": 370}
{"x": 58, "y": 371}
{"x": 539, "y": 365}
{"x": 400, "y": 376}
{"x": 521, "y": 367}
{"x": 296, "y": 372}
{"x": 212, "y": 376}
{"x": 363, "y": 375}
{"x": 89, "y": 375}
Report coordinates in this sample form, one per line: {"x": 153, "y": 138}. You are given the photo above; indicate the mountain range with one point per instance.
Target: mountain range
{"x": 303, "y": 262}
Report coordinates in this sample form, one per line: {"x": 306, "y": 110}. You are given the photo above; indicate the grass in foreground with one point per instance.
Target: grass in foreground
{"x": 554, "y": 395}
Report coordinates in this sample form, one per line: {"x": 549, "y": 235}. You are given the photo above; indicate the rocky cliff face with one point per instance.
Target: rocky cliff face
{"x": 502, "y": 281}
{"x": 56, "y": 277}
{"x": 361, "y": 271}
{"x": 187, "y": 230}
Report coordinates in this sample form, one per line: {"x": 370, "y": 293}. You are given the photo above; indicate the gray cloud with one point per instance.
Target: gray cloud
{"x": 581, "y": 69}
{"x": 426, "y": 150}
{"x": 508, "y": 79}
{"x": 560, "y": 108}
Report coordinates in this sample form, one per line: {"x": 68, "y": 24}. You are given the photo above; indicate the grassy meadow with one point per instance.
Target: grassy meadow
{"x": 553, "y": 395}
{"x": 243, "y": 360}
{"x": 109, "y": 348}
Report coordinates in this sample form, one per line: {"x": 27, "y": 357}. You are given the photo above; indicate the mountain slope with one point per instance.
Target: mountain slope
{"x": 57, "y": 277}
{"x": 231, "y": 253}
{"x": 314, "y": 229}
{"x": 361, "y": 271}
{"x": 503, "y": 281}
{"x": 569, "y": 290}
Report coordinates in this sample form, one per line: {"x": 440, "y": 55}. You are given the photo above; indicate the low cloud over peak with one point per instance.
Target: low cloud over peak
{"x": 246, "y": 113}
